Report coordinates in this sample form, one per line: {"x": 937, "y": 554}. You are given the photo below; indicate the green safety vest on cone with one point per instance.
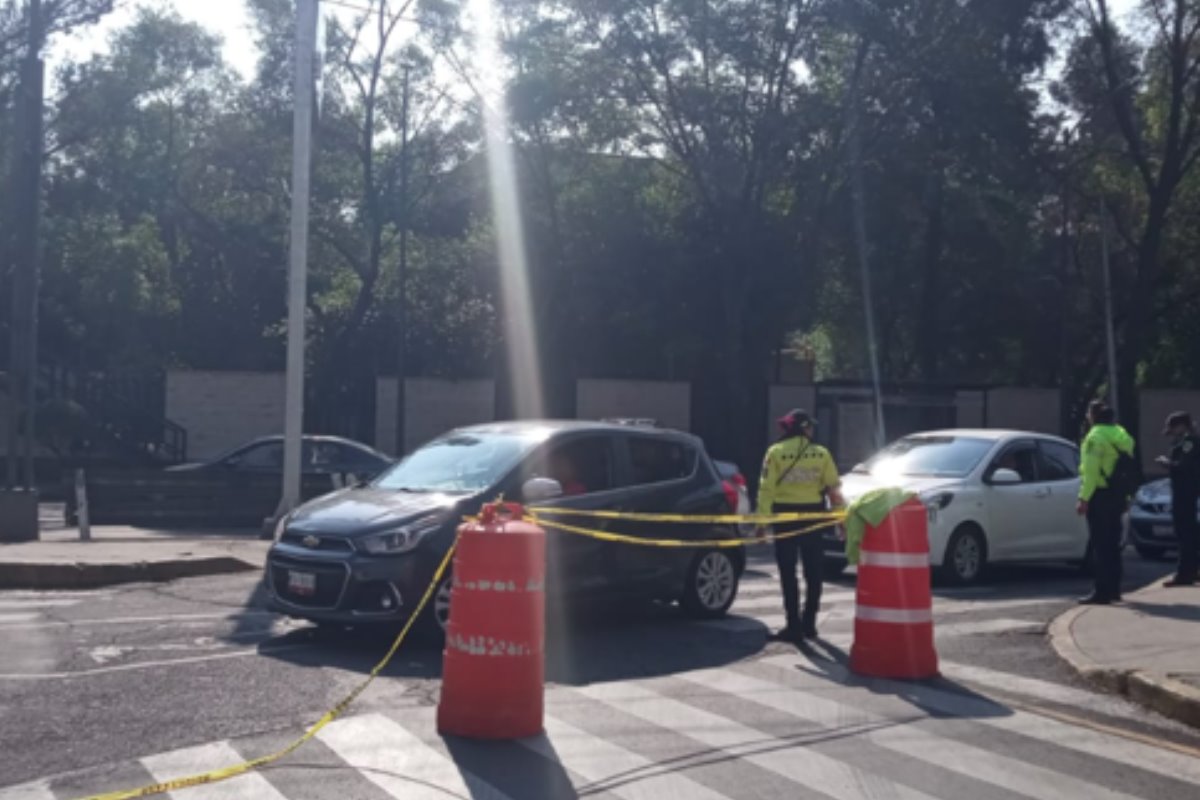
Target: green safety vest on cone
{"x": 869, "y": 511}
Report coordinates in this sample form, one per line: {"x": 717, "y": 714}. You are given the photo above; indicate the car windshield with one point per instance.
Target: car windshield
{"x": 937, "y": 456}
{"x": 460, "y": 462}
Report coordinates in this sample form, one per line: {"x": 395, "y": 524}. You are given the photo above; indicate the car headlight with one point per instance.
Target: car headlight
{"x": 400, "y": 540}
{"x": 281, "y": 526}
{"x": 935, "y": 503}
{"x": 1145, "y": 497}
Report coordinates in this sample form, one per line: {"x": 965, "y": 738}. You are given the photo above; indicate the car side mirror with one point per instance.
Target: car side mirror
{"x": 1005, "y": 477}
{"x": 536, "y": 490}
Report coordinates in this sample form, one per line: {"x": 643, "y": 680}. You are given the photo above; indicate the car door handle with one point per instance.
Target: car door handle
{"x": 1042, "y": 493}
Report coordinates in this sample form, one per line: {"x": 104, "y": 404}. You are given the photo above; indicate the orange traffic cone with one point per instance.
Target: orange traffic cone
{"x": 493, "y": 670}
{"x": 893, "y": 615}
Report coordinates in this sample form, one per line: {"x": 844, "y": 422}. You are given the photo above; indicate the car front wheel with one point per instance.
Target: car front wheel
{"x": 966, "y": 556}
{"x": 712, "y": 584}
{"x": 436, "y": 614}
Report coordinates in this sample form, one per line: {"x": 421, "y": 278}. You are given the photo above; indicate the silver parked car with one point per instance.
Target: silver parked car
{"x": 1150, "y": 527}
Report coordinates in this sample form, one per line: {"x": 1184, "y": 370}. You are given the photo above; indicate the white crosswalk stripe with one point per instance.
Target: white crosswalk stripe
{"x": 814, "y": 770}
{"x": 401, "y": 764}
{"x": 194, "y": 760}
{"x": 597, "y": 761}
{"x": 781, "y": 719}
{"x": 1073, "y": 737}
{"x": 29, "y": 791}
{"x": 399, "y": 752}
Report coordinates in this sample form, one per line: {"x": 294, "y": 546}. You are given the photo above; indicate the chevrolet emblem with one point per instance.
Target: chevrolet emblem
{"x": 311, "y": 542}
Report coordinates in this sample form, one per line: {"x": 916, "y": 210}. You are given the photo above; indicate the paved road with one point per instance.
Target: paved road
{"x": 113, "y": 689}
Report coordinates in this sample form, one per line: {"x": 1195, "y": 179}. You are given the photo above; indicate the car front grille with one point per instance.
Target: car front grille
{"x": 331, "y": 582}
{"x": 1155, "y": 508}
{"x": 335, "y": 544}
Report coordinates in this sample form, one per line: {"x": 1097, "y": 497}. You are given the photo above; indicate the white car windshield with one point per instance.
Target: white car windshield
{"x": 933, "y": 456}
{"x": 461, "y": 462}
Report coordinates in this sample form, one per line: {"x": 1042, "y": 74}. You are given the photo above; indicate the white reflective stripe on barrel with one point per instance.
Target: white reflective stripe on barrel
{"x": 909, "y": 616}
{"x": 871, "y": 558}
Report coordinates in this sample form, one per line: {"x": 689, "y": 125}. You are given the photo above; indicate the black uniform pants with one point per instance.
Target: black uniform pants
{"x": 1104, "y": 534}
{"x": 810, "y": 551}
{"x": 1183, "y": 514}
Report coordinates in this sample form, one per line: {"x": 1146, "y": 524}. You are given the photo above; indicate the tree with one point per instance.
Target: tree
{"x": 1151, "y": 96}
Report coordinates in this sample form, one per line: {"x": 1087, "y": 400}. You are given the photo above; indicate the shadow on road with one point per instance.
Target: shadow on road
{"x": 1166, "y": 610}
{"x": 587, "y": 644}
{"x": 935, "y": 697}
{"x": 528, "y": 769}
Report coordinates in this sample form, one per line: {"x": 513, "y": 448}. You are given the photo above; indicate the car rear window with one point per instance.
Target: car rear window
{"x": 657, "y": 461}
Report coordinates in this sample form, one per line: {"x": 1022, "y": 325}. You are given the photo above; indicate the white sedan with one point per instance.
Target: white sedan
{"x": 992, "y": 496}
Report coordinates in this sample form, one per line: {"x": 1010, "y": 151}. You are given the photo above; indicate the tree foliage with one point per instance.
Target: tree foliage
{"x": 687, "y": 170}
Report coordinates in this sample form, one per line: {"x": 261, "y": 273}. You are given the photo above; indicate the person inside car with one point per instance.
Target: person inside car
{"x": 562, "y": 469}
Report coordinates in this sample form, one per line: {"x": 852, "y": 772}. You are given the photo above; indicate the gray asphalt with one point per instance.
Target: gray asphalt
{"x": 91, "y": 683}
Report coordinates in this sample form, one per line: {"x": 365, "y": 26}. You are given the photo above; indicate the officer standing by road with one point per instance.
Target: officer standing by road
{"x": 1102, "y": 500}
{"x": 798, "y": 475}
{"x": 1184, "y": 464}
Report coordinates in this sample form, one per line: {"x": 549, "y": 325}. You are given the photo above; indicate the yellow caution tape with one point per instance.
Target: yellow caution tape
{"x": 698, "y": 519}
{"x": 536, "y": 517}
{"x": 608, "y": 536}
{"x": 246, "y": 766}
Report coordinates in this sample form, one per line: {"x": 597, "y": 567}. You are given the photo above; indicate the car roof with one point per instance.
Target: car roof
{"x": 990, "y": 434}
{"x": 552, "y": 427}
{"x": 311, "y": 437}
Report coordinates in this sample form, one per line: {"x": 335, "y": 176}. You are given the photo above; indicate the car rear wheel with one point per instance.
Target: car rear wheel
{"x": 966, "y": 556}
{"x": 712, "y": 584}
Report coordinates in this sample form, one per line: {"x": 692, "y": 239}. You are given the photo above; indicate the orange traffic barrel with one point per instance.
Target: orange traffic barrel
{"x": 893, "y": 614}
{"x": 493, "y": 670}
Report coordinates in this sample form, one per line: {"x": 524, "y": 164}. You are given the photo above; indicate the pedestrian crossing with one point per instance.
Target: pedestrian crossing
{"x": 781, "y": 723}
{"x": 781, "y": 726}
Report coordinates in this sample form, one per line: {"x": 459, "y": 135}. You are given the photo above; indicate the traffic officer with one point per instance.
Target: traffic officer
{"x": 798, "y": 475}
{"x": 1102, "y": 504}
{"x": 1184, "y": 464}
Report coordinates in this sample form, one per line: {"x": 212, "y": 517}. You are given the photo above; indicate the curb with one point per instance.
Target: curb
{"x": 1162, "y": 693}
{"x": 32, "y": 575}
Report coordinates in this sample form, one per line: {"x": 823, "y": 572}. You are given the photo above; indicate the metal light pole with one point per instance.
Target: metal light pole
{"x": 307, "y": 14}
{"x": 1109, "y": 331}
{"x": 402, "y": 275}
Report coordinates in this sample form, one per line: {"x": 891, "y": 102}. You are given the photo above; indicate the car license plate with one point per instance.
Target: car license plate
{"x": 1164, "y": 530}
{"x": 302, "y": 582}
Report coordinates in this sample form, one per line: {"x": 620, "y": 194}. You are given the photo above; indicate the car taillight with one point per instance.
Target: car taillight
{"x": 740, "y": 480}
{"x": 731, "y": 495}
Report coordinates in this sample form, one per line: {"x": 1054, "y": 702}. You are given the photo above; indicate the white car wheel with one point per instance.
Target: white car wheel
{"x": 966, "y": 556}
{"x": 712, "y": 584}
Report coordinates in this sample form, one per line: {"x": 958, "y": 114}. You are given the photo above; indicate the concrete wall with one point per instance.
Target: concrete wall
{"x": 432, "y": 407}
{"x": 1156, "y": 404}
{"x": 668, "y": 403}
{"x": 221, "y": 410}
{"x": 782, "y": 399}
{"x": 1036, "y": 410}
{"x": 972, "y": 408}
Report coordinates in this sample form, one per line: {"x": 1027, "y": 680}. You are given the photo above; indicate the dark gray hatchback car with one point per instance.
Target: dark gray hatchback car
{"x": 366, "y": 554}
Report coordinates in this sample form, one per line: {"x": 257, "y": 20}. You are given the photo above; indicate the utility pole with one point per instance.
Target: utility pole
{"x": 402, "y": 274}
{"x": 860, "y": 238}
{"x": 24, "y": 268}
{"x": 307, "y": 15}
{"x": 1109, "y": 332}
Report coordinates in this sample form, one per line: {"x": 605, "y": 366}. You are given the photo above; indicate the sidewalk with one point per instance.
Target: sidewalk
{"x": 1147, "y": 648}
{"x": 122, "y": 554}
